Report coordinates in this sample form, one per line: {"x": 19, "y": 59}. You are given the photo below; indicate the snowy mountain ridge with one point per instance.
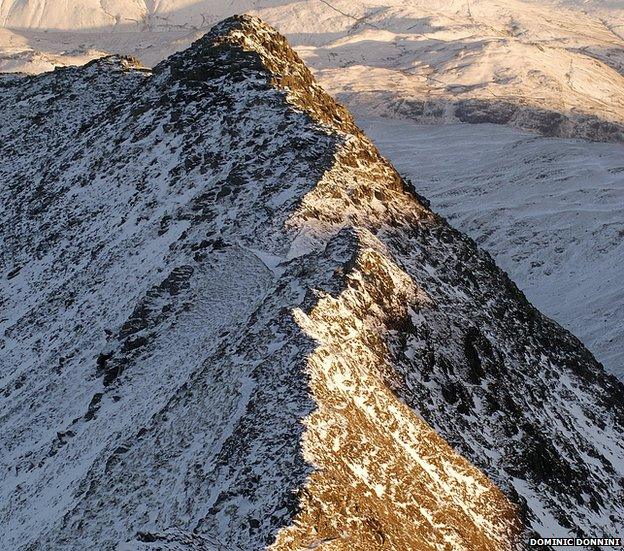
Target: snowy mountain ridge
{"x": 224, "y": 307}
{"x": 550, "y": 66}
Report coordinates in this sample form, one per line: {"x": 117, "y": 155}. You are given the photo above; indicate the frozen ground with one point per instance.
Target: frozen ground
{"x": 550, "y": 211}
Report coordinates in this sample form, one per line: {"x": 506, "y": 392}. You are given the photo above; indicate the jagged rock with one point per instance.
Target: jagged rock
{"x": 236, "y": 325}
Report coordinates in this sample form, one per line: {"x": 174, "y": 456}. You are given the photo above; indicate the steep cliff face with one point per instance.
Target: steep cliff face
{"x": 230, "y": 324}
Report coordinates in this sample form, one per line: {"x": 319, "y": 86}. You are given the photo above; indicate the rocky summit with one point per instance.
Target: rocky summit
{"x": 227, "y": 323}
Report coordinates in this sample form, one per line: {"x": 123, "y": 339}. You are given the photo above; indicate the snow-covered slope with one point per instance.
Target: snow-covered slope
{"x": 550, "y": 211}
{"x": 222, "y": 308}
{"x": 430, "y": 59}
{"x": 551, "y": 66}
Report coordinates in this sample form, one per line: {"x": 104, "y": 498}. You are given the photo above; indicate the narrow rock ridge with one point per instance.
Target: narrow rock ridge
{"x": 231, "y": 323}
{"x": 383, "y": 478}
{"x": 283, "y": 67}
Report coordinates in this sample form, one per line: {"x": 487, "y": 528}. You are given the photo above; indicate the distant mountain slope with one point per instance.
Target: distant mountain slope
{"x": 553, "y": 67}
{"x": 228, "y": 322}
{"x": 551, "y": 212}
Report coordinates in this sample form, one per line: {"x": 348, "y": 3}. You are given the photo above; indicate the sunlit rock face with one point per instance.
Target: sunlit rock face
{"x": 228, "y": 323}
